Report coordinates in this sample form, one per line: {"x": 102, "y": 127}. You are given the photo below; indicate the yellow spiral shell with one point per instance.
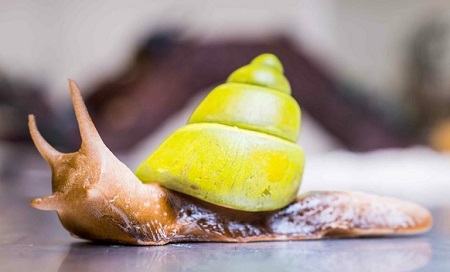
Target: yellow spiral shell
{"x": 239, "y": 148}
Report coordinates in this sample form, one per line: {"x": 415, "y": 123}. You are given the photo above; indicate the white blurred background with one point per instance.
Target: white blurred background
{"x": 363, "y": 40}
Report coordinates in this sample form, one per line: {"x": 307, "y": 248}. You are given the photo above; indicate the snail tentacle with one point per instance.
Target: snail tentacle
{"x": 48, "y": 152}
{"x": 47, "y": 203}
{"x": 89, "y": 134}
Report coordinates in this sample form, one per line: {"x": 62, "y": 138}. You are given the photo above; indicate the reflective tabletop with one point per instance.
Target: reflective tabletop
{"x": 32, "y": 240}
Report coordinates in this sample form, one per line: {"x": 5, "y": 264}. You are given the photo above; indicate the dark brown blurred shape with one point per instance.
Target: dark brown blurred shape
{"x": 18, "y": 98}
{"x": 167, "y": 72}
{"x": 429, "y": 84}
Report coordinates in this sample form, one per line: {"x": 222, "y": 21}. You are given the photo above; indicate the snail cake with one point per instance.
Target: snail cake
{"x": 239, "y": 147}
{"x": 230, "y": 175}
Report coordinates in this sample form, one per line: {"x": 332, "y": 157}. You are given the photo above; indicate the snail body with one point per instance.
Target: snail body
{"x": 239, "y": 148}
{"x": 98, "y": 198}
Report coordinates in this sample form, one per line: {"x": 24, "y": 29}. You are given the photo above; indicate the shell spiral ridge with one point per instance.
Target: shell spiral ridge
{"x": 239, "y": 148}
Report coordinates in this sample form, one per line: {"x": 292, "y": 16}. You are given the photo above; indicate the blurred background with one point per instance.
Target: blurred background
{"x": 372, "y": 79}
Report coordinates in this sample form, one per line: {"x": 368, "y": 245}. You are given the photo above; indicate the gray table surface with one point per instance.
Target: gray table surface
{"x": 32, "y": 240}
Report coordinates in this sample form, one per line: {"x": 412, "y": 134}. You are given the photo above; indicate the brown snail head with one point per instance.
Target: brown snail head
{"x": 95, "y": 195}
